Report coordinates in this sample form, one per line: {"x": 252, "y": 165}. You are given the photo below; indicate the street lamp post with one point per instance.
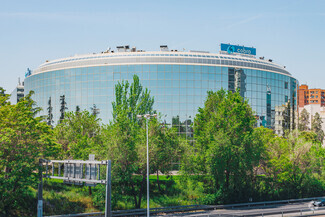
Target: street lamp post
{"x": 147, "y": 117}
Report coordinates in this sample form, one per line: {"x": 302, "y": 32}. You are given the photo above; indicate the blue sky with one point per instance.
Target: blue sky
{"x": 292, "y": 33}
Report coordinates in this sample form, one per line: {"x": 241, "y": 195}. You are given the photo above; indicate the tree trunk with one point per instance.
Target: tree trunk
{"x": 89, "y": 190}
{"x": 158, "y": 181}
{"x": 227, "y": 179}
{"x": 134, "y": 197}
{"x": 141, "y": 190}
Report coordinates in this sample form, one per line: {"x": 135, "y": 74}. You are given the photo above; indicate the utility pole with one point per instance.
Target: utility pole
{"x": 40, "y": 191}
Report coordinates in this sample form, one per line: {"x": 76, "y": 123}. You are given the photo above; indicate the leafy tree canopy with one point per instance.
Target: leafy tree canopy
{"x": 79, "y": 134}
{"x": 24, "y": 139}
{"x": 316, "y": 126}
{"x": 303, "y": 120}
{"x": 225, "y": 148}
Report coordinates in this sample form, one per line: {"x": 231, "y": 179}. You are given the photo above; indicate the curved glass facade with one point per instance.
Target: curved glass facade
{"x": 179, "y": 83}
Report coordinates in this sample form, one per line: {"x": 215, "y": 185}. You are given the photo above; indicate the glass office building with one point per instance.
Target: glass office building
{"x": 179, "y": 82}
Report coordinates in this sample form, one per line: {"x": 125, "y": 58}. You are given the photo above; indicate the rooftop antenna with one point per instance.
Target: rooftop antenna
{"x": 18, "y": 80}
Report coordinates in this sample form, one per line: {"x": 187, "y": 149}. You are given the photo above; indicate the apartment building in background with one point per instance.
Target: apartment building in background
{"x": 313, "y": 100}
{"x": 310, "y": 96}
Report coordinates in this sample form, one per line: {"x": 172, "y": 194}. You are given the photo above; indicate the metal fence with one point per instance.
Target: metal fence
{"x": 76, "y": 172}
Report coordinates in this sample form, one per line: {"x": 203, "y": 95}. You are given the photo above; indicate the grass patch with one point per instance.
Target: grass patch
{"x": 62, "y": 198}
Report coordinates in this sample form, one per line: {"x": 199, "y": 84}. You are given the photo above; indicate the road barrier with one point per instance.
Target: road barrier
{"x": 198, "y": 208}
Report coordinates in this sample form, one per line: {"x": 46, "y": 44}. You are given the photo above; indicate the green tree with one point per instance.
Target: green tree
{"x": 166, "y": 147}
{"x": 303, "y": 120}
{"x": 79, "y": 134}
{"x": 24, "y": 139}
{"x": 125, "y": 141}
{"x": 49, "y": 118}
{"x": 290, "y": 164}
{"x": 94, "y": 110}
{"x": 225, "y": 149}
{"x": 316, "y": 126}
{"x": 286, "y": 123}
{"x": 63, "y": 107}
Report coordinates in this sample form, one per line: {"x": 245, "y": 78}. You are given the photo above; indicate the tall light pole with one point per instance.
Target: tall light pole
{"x": 147, "y": 117}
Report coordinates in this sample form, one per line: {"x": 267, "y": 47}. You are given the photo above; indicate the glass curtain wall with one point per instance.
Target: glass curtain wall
{"x": 178, "y": 89}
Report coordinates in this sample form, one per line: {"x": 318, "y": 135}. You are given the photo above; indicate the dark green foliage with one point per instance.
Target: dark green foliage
{"x": 49, "y": 118}
{"x": 125, "y": 141}
{"x": 225, "y": 148}
{"x": 79, "y": 134}
{"x": 303, "y": 120}
{"x": 63, "y": 107}
{"x": 131, "y": 100}
{"x": 24, "y": 139}
{"x": 230, "y": 161}
{"x": 95, "y": 111}
{"x": 244, "y": 162}
{"x": 286, "y": 114}
{"x": 59, "y": 199}
{"x": 316, "y": 127}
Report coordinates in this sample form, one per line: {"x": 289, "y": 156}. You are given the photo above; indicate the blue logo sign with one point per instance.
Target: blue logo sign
{"x": 231, "y": 49}
{"x": 28, "y": 73}
{"x": 238, "y": 49}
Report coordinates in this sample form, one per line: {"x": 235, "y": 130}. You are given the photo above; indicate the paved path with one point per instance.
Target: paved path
{"x": 296, "y": 209}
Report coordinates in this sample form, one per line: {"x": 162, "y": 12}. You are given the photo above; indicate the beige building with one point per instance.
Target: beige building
{"x": 312, "y": 109}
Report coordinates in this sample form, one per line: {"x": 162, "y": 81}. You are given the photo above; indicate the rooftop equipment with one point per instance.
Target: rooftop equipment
{"x": 124, "y": 48}
{"x": 164, "y": 48}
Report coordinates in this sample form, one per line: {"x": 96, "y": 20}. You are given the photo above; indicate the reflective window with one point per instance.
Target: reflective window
{"x": 177, "y": 88}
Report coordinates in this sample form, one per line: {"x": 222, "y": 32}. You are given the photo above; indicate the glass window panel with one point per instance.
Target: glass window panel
{"x": 175, "y": 68}
{"x": 145, "y": 68}
{"x": 160, "y": 83}
{"x": 124, "y": 76}
{"x": 145, "y": 83}
{"x": 124, "y": 68}
{"x": 161, "y": 68}
{"x": 205, "y": 76}
{"x": 197, "y": 68}
{"x": 131, "y": 68}
{"x": 205, "y": 69}
{"x": 138, "y": 68}
{"x": 182, "y": 68}
{"x": 168, "y": 75}
{"x": 168, "y": 83}
{"x": 153, "y": 75}
{"x": 175, "y": 75}
{"x": 168, "y": 68}
{"x": 175, "y": 83}
{"x": 183, "y": 83}
{"x": 153, "y": 68}
{"x": 224, "y": 77}
{"x": 190, "y": 83}
{"x": 205, "y": 84}
{"x": 117, "y": 76}
{"x": 145, "y": 75}
{"x": 78, "y": 71}
{"x": 190, "y": 68}
{"x": 153, "y": 83}
{"x": 116, "y": 68}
